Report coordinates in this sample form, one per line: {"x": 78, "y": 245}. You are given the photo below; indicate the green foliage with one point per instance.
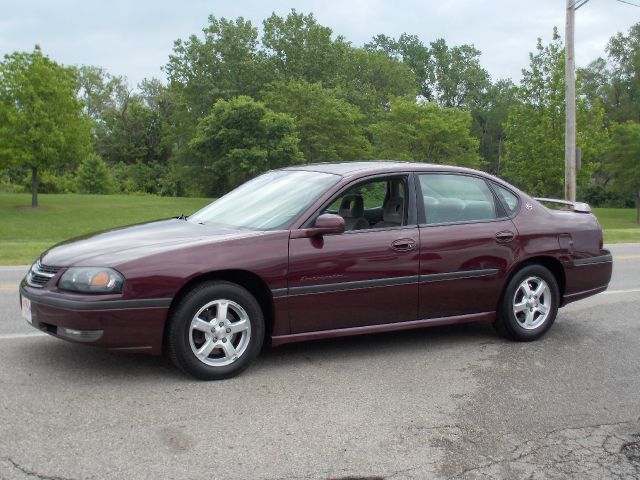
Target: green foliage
{"x": 94, "y": 176}
{"x": 242, "y": 138}
{"x": 425, "y": 132}
{"x": 55, "y": 182}
{"x": 133, "y": 133}
{"x": 370, "y": 80}
{"x": 140, "y": 177}
{"x": 534, "y": 149}
{"x": 624, "y": 94}
{"x": 489, "y": 117}
{"x": 299, "y": 48}
{"x": 224, "y": 64}
{"x": 41, "y": 119}
{"x": 460, "y": 81}
{"x": 330, "y": 128}
{"x": 623, "y": 160}
{"x": 412, "y": 53}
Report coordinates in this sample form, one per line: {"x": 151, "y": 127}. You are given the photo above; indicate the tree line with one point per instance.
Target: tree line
{"x": 235, "y": 103}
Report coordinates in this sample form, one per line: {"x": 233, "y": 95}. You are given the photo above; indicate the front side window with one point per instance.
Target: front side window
{"x": 450, "y": 198}
{"x": 269, "y": 202}
{"x": 380, "y": 203}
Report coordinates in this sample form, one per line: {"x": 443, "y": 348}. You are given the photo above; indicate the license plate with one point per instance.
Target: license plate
{"x": 26, "y": 310}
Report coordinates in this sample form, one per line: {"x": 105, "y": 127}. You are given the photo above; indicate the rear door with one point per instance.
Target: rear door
{"x": 367, "y": 275}
{"x": 467, "y": 245}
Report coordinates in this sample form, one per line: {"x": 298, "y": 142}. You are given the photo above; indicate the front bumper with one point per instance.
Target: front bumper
{"x": 116, "y": 324}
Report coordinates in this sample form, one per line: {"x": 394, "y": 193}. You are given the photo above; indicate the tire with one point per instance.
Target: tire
{"x": 529, "y": 305}
{"x": 216, "y": 331}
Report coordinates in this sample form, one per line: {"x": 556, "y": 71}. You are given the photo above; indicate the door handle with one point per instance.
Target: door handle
{"x": 505, "y": 236}
{"x": 403, "y": 244}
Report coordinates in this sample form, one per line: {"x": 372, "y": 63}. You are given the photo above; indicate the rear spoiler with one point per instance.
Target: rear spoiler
{"x": 579, "y": 207}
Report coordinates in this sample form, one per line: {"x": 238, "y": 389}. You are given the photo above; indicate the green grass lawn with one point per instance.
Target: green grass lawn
{"x": 25, "y": 232}
{"x": 619, "y": 224}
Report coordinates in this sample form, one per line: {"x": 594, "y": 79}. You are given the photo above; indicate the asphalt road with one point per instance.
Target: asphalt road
{"x": 447, "y": 402}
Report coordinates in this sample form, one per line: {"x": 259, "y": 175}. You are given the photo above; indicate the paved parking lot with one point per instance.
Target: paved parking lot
{"x": 446, "y": 402}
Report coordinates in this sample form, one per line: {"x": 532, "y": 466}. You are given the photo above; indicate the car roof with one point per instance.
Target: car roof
{"x": 347, "y": 169}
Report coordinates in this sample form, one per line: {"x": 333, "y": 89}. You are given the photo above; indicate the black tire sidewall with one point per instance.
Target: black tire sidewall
{"x": 178, "y": 334}
{"x": 507, "y": 317}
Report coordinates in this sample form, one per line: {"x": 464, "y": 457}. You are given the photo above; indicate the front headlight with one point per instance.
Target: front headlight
{"x": 91, "y": 280}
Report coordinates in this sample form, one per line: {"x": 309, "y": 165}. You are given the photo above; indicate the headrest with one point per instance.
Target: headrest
{"x": 393, "y": 211}
{"x": 352, "y": 206}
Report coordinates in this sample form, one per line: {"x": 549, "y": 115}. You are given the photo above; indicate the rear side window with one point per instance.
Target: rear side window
{"x": 452, "y": 198}
{"x": 509, "y": 200}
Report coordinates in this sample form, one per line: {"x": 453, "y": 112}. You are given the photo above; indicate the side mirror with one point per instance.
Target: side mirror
{"x": 325, "y": 224}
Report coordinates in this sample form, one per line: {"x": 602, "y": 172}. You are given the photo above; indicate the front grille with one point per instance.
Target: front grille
{"x": 40, "y": 274}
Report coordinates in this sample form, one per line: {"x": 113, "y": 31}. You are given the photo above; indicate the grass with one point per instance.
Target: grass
{"x": 26, "y": 232}
{"x": 619, "y": 224}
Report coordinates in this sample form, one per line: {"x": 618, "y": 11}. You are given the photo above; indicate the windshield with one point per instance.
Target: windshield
{"x": 268, "y": 202}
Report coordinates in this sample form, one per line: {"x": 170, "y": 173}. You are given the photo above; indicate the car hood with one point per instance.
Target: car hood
{"x": 120, "y": 245}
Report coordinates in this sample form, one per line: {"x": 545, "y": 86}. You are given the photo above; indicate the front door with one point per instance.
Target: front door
{"x": 367, "y": 275}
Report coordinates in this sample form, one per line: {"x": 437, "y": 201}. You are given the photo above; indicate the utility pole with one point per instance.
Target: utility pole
{"x": 570, "y": 125}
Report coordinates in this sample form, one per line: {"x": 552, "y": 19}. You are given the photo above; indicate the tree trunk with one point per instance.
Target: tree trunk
{"x": 34, "y": 187}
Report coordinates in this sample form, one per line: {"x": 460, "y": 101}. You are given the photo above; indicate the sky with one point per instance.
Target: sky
{"x": 134, "y": 38}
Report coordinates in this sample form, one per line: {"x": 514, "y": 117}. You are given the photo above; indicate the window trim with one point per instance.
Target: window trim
{"x": 493, "y": 184}
{"x": 411, "y": 201}
{"x": 501, "y": 212}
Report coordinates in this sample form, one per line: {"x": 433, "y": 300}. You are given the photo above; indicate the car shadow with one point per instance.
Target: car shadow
{"x": 96, "y": 365}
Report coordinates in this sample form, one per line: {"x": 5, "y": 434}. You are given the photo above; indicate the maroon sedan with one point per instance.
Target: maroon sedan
{"x": 321, "y": 251}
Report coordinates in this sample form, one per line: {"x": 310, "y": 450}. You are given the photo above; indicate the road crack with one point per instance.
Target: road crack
{"x": 31, "y": 473}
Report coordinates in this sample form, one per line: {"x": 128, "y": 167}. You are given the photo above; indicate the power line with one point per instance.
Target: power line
{"x": 629, "y": 3}
{"x": 578, "y": 3}
{"x": 584, "y": 2}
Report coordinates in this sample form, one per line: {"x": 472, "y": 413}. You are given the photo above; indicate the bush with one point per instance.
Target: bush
{"x": 598, "y": 196}
{"x": 7, "y": 185}
{"x": 93, "y": 176}
{"x": 140, "y": 177}
{"x": 54, "y": 182}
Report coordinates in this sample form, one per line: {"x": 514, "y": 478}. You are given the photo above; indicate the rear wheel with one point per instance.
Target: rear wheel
{"x": 529, "y": 305}
{"x": 216, "y": 331}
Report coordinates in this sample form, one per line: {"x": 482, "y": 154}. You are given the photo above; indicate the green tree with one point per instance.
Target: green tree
{"x": 425, "y": 132}
{"x": 99, "y": 91}
{"x": 93, "y": 175}
{"x": 489, "y": 117}
{"x": 224, "y": 64}
{"x": 623, "y": 161}
{"x": 241, "y": 138}
{"x": 41, "y": 119}
{"x": 412, "y": 53}
{"x": 134, "y": 132}
{"x": 299, "y": 48}
{"x": 459, "y": 79}
{"x": 534, "y": 147}
{"x": 371, "y": 79}
{"x": 624, "y": 55}
{"x": 330, "y": 128}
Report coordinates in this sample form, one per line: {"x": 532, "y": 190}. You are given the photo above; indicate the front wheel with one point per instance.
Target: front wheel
{"x": 529, "y": 305}
{"x": 216, "y": 331}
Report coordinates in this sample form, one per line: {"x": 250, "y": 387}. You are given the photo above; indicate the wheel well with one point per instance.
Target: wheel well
{"x": 551, "y": 263}
{"x": 252, "y": 282}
